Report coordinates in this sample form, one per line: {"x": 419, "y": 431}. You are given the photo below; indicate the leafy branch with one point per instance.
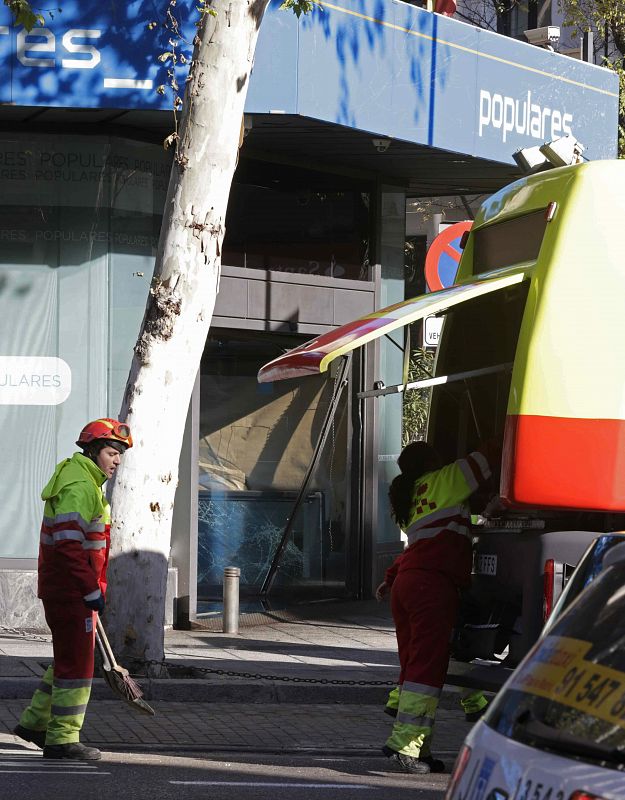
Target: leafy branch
{"x": 23, "y": 13}
{"x": 417, "y": 401}
{"x": 299, "y": 7}
{"x": 606, "y": 19}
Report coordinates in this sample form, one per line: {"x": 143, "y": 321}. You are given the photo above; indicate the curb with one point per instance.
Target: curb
{"x": 234, "y": 691}
{"x": 358, "y": 751}
{"x": 201, "y": 691}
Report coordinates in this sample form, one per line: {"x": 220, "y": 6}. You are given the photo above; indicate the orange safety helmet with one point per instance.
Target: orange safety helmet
{"x": 105, "y": 428}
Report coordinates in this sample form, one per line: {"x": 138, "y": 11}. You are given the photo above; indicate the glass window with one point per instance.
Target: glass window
{"x": 256, "y": 442}
{"x": 293, "y": 220}
{"x": 504, "y": 244}
{"x": 134, "y": 239}
{"x": 78, "y": 225}
{"x": 478, "y": 334}
{"x": 392, "y": 257}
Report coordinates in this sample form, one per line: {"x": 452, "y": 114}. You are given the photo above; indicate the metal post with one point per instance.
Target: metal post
{"x": 588, "y": 51}
{"x": 231, "y": 600}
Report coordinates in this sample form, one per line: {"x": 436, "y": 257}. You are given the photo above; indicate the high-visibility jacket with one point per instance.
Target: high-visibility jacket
{"x": 439, "y": 528}
{"x": 75, "y": 532}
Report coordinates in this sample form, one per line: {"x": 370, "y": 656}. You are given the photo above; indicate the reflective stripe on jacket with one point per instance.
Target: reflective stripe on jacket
{"x": 439, "y": 532}
{"x": 75, "y": 532}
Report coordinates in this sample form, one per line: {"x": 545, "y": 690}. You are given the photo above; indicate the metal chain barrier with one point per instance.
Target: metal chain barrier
{"x": 33, "y": 637}
{"x": 168, "y": 667}
{"x": 257, "y": 676}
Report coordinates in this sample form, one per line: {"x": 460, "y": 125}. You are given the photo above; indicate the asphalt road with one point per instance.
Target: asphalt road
{"x": 237, "y": 776}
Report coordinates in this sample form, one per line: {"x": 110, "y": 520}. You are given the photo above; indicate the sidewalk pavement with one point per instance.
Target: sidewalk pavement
{"x": 277, "y": 686}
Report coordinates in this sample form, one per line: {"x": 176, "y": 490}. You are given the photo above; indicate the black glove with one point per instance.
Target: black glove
{"x": 97, "y": 604}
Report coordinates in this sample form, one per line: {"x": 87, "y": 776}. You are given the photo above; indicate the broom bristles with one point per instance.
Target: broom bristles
{"x": 127, "y": 688}
{"x": 117, "y": 677}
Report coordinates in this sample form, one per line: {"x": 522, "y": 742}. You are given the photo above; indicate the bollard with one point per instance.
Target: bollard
{"x": 231, "y": 600}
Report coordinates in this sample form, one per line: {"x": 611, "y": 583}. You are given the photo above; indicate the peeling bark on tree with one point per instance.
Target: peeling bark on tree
{"x": 176, "y": 324}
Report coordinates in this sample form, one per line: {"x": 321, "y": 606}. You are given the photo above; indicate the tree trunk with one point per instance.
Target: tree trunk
{"x": 617, "y": 30}
{"x": 176, "y": 323}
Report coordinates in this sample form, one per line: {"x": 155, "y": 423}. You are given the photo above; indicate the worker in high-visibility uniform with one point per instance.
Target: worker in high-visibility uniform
{"x": 73, "y": 557}
{"x": 429, "y": 504}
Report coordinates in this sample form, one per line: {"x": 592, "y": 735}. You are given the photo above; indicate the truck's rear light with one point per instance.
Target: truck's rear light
{"x": 584, "y": 796}
{"x": 459, "y": 767}
{"x": 549, "y": 576}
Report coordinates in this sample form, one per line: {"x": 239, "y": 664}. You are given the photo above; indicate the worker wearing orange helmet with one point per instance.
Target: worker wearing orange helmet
{"x": 73, "y": 558}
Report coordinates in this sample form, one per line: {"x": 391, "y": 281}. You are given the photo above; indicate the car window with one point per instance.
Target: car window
{"x": 569, "y": 692}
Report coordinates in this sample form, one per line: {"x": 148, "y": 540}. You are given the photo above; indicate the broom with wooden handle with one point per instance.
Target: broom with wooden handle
{"x": 118, "y": 677}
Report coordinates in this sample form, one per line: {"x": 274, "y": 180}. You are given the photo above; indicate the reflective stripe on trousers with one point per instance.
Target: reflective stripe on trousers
{"x": 58, "y": 707}
{"x": 424, "y": 605}
{"x": 473, "y": 700}
{"x": 67, "y": 711}
{"x": 59, "y": 704}
{"x": 392, "y": 701}
{"x": 412, "y": 731}
{"x": 37, "y": 715}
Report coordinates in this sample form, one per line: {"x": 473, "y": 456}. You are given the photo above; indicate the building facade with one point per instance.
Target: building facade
{"x": 350, "y": 111}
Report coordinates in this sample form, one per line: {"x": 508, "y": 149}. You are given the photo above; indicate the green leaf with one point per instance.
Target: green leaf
{"x": 23, "y": 14}
{"x": 606, "y": 19}
{"x": 416, "y": 401}
{"x": 299, "y": 7}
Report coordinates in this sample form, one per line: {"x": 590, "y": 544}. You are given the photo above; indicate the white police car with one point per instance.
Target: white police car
{"x": 556, "y": 730}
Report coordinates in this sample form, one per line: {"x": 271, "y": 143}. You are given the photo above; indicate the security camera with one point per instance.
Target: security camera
{"x": 548, "y": 36}
{"x": 381, "y": 145}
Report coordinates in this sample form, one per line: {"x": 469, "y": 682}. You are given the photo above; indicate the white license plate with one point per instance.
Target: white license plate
{"x": 538, "y": 789}
{"x": 485, "y": 564}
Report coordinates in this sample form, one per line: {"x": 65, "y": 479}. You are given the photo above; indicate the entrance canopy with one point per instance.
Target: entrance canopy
{"x": 429, "y": 103}
{"x": 314, "y": 357}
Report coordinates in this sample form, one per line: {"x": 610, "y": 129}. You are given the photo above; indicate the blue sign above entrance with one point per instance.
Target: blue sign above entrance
{"x": 87, "y": 55}
{"x": 382, "y": 66}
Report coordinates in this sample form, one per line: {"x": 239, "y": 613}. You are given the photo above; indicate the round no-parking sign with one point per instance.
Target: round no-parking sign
{"x": 441, "y": 261}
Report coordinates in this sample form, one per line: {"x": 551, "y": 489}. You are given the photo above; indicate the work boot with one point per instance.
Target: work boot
{"x": 28, "y": 735}
{"x": 72, "y": 750}
{"x": 413, "y": 765}
{"x": 436, "y": 765}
